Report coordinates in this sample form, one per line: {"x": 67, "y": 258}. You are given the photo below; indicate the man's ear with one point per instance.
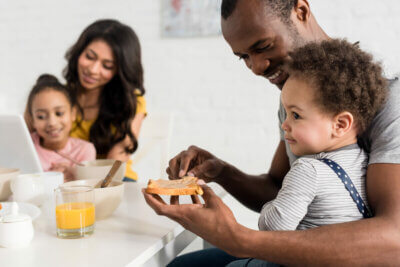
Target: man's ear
{"x": 342, "y": 124}
{"x": 302, "y": 10}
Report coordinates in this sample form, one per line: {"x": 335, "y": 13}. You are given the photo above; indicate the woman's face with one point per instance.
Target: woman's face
{"x": 96, "y": 65}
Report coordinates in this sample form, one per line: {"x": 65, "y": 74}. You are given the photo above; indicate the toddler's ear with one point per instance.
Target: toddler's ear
{"x": 342, "y": 123}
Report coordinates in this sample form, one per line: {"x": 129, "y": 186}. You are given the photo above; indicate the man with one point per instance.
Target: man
{"x": 261, "y": 32}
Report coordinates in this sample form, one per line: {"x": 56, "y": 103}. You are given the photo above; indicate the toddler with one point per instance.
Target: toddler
{"x": 333, "y": 92}
{"x": 51, "y": 112}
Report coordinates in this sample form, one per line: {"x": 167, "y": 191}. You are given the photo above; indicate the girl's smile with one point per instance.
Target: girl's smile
{"x": 52, "y": 118}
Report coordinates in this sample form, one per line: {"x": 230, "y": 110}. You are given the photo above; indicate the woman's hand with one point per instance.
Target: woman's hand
{"x": 118, "y": 151}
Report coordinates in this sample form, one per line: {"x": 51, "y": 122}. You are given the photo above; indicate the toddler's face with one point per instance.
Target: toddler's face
{"x": 52, "y": 118}
{"x": 307, "y": 129}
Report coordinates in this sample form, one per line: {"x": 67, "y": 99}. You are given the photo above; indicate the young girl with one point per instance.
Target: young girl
{"x": 51, "y": 112}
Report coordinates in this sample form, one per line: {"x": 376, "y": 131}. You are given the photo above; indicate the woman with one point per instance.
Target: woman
{"x": 105, "y": 74}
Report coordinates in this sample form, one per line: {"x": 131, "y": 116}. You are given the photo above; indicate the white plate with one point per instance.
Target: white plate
{"x": 24, "y": 208}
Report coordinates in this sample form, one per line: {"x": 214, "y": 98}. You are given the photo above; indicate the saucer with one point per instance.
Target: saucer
{"x": 24, "y": 208}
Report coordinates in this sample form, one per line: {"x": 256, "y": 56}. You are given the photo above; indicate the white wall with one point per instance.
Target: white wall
{"x": 218, "y": 103}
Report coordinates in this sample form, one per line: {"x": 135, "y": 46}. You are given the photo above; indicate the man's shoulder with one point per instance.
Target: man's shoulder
{"x": 394, "y": 84}
{"x": 391, "y": 108}
{"x": 382, "y": 138}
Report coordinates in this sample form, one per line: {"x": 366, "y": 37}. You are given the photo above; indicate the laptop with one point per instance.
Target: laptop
{"x": 16, "y": 145}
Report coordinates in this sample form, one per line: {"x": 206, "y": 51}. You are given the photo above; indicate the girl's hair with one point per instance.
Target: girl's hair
{"x": 48, "y": 82}
{"x": 117, "y": 100}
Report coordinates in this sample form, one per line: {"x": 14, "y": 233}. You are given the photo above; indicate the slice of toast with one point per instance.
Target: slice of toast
{"x": 185, "y": 186}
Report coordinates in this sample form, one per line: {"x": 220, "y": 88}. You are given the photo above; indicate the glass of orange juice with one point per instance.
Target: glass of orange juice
{"x": 75, "y": 213}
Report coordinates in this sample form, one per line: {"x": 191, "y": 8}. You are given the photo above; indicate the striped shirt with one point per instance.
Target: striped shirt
{"x": 313, "y": 195}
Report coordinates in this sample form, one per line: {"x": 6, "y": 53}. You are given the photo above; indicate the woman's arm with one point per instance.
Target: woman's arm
{"x": 118, "y": 151}
{"x": 137, "y": 124}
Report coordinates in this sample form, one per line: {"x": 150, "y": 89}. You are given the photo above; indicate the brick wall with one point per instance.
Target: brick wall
{"x": 218, "y": 103}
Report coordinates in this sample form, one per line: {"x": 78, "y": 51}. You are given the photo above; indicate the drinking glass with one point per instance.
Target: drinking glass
{"x": 75, "y": 212}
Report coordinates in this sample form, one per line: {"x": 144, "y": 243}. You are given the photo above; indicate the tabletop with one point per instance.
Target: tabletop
{"x": 133, "y": 236}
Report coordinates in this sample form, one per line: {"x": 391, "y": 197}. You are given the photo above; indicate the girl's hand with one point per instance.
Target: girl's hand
{"x": 68, "y": 171}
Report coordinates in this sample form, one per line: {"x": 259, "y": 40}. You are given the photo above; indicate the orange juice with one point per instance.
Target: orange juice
{"x": 75, "y": 215}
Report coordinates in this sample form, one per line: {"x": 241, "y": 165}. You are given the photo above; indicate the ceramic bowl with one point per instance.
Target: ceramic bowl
{"x": 98, "y": 169}
{"x": 6, "y": 175}
{"x": 106, "y": 199}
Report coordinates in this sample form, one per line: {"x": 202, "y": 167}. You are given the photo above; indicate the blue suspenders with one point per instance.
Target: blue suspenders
{"x": 349, "y": 186}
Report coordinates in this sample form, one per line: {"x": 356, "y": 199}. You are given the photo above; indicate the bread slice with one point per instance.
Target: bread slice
{"x": 185, "y": 186}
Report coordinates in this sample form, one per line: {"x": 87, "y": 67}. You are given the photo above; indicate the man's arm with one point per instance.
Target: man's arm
{"x": 251, "y": 190}
{"x": 368, "y": 242}
{"x": 254, "y": 191}
{"x": 374, "y": 241}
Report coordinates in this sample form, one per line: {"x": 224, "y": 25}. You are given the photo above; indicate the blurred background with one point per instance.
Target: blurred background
{"x": 217, "y": 102}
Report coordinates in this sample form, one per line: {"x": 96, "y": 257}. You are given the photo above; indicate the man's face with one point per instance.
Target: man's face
{"x": 260, "y": 39}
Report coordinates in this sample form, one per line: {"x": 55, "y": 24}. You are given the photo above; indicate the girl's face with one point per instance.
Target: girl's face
{"x": 307, "y": 129}
{"x": 52, "y": 118}
{"x": 96, "y": 65}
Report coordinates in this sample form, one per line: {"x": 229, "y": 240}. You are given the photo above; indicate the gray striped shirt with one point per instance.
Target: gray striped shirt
{"x": 313, "y": 195}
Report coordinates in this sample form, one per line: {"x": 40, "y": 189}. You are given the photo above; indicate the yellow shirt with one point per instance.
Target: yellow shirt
{"x": 83, "y": 131}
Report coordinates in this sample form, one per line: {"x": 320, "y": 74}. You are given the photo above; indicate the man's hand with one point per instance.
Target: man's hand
{"x": 195, "y": 162}
{"x": 253, "y": 191}
{"x": 213, "y": 220}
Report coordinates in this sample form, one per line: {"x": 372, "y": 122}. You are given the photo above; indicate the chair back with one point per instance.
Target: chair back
{"x": 151, "y": 158}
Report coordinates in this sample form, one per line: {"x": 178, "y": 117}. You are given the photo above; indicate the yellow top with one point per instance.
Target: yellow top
{"x": 83, "y": 131}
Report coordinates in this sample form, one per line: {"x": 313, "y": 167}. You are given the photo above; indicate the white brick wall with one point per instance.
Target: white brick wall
{"x": 218, "y": 103}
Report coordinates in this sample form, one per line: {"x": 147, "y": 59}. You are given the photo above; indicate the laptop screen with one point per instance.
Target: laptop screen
{"x": 16, "y": 146}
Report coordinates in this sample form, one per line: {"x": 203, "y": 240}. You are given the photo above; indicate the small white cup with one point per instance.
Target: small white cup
{"x": 50, "y": 181}
{"x": 28, "y": 188}
{"x": 16, "y": 230}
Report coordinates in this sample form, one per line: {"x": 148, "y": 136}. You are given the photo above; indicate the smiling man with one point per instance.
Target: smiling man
{"x": 261, "y": 33}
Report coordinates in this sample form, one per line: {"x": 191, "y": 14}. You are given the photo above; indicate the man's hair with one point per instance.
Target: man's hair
{"x": 346, "y": 78}
{"x": 280, "y": 8}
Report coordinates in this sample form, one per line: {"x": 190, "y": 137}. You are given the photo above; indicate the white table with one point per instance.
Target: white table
{"x": 133, "y": 236}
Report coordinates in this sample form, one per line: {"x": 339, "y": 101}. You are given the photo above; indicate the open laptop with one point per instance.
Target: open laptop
{"x": 16, "y": 145}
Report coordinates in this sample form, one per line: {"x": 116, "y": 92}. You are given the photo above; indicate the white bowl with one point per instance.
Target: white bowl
{"x": 98, "y": 169}
{"x": 106, "y": 199}
{"x": 6, "y": 175}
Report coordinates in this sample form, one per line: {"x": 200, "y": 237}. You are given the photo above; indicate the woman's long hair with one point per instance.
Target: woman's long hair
{"x": 117, "y": 100}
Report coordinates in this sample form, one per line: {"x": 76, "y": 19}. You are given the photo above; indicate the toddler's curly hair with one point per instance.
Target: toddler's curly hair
{"x": 347, "y": 78}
